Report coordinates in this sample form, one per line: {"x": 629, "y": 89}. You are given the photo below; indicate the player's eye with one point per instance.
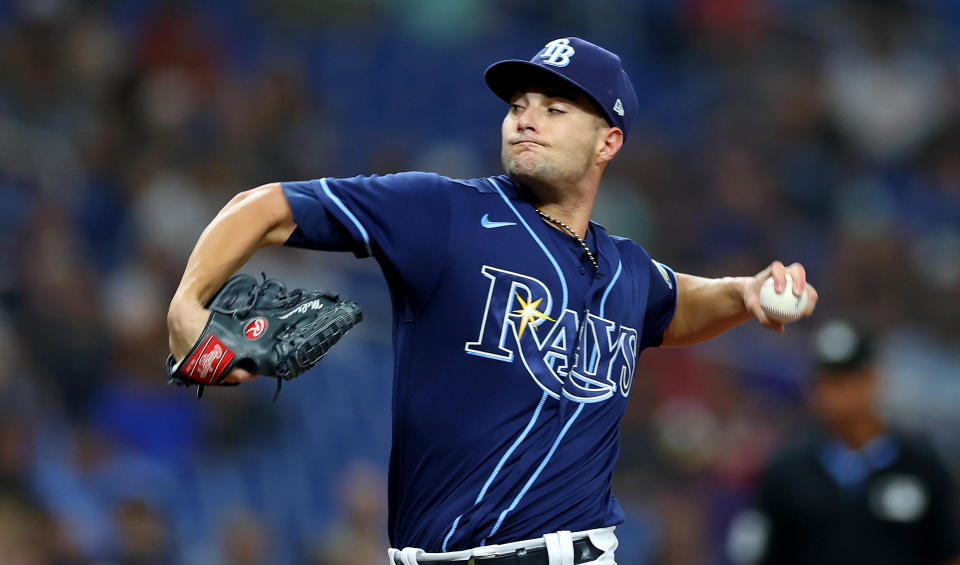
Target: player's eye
{"x": 515, "y": 108}
{"x": 555, "y": 111}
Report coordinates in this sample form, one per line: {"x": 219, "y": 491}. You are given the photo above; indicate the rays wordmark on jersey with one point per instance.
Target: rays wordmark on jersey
{"x": 586, "y": 362}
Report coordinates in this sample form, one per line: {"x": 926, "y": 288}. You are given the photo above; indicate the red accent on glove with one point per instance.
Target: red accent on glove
{"x": 209, "y": 361}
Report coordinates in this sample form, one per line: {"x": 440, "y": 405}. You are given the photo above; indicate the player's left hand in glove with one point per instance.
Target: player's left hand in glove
{"x": 263, "y": 328}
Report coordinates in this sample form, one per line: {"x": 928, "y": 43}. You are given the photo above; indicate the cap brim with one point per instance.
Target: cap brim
{"x": 506, "y": 78}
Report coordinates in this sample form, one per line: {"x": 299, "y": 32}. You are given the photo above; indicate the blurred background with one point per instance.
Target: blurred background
{"x": 820, "y": 131}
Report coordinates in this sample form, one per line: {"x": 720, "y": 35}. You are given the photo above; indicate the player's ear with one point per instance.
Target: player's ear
{"x": 609, "y": 142}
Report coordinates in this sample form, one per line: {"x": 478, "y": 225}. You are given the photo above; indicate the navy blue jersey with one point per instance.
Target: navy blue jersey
{"x": 514, "y": 360}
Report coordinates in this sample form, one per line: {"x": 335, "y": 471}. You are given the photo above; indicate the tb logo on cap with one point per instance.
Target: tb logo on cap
{"x": 557, "y": 53}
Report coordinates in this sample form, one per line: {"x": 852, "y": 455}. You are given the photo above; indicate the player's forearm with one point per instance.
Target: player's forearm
{"x": 251, "y": 220}
{"x": 706, "y": 308}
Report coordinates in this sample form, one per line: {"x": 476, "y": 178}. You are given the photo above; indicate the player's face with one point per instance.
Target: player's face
{"x": 550, "y": 138}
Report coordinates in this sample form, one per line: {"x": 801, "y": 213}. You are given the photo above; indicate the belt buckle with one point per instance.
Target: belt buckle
{"x": 492, "y": 555}
{"x": 480, "y": 559}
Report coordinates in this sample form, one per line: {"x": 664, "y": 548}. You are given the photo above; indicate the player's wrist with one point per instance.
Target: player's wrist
{"x": 180, "y": 308}
{"x": 182, "y": 314}
{"x": 740, "y": 289}
{"x": 736, "y": 288}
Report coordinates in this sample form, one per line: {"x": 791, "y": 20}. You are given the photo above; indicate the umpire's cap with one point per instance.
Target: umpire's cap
{"x": 588, "y": 67}
{"x": 840, "y": 348}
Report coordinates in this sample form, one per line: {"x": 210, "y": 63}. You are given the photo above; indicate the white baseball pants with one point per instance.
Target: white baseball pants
{"x": 559, "y": 549}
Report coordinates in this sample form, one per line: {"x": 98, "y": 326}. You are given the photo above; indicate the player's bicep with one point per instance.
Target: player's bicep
{"x": 679, "y": 324}
{"x": 263, "y": 210}
{"x": 275, "y": 205}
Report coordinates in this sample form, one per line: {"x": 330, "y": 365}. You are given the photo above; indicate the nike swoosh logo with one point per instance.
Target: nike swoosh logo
{"x": 485, "y": 222}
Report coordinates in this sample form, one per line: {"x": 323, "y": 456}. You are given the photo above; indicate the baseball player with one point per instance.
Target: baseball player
{"x": 517, "y": 320}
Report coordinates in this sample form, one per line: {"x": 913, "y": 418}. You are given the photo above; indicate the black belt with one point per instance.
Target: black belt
{"x": 583, "y": 552}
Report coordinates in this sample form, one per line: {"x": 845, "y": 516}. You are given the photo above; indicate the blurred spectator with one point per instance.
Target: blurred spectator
{"x": 887, "y": 92}
{"x": 358, "y": 538}
{"x": 855, "y": 491}
{"x": 244, "y": 540}
{"x": 25, "y": 532}
{"x": 143, "y": 535}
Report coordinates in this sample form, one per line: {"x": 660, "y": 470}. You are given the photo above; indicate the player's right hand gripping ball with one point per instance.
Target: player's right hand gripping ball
{"x": 266, "y": 329}
{"x": 784, "y": 307}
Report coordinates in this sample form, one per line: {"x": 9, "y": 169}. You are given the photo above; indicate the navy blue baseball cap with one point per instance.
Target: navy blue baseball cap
{"x": 590, "y": 68}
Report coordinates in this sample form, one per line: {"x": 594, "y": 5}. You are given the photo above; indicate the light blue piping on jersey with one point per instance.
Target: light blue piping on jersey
{"x": 543, "y": 399}
{"x": 563, "y": 281}
{"x": 342, "y": 206}
{"x": 496, "y": 471}
{"x": 453, "y": 528}
{"x": 536, "y": 473}
{"x": 606, "y": 293}
{"x": 603, "y": 305}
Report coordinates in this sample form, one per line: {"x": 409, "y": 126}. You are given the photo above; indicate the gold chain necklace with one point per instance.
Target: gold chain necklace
{"x": 583, "y": 243}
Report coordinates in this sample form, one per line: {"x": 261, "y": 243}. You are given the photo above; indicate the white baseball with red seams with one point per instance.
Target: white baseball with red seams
{"x": 784, "y": 307}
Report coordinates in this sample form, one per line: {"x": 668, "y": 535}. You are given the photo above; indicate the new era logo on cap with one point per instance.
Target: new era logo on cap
{"x": 598, "y": 73}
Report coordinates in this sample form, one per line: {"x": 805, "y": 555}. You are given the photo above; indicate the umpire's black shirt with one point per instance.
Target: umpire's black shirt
{"x": 821, "y": 503}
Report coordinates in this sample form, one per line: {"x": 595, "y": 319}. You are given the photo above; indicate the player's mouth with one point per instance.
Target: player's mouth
{"x": 525, "y": 144}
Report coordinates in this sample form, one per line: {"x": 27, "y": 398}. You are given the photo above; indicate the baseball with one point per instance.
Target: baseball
{"x": 784, "y": 307}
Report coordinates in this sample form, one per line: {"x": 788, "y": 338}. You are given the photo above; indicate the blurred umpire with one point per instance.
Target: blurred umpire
{"x": 853, "y": 491}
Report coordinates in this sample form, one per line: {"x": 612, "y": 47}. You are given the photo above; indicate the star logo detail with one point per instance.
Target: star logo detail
{"x": 529, "y": 314}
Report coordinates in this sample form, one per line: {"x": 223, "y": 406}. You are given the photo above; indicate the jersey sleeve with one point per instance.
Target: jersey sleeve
{"x": 661, "y": 303}
{"x": 403, "y": 220}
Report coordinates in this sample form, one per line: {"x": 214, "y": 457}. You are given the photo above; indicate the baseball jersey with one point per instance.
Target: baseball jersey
{"x": 514, "y": 359}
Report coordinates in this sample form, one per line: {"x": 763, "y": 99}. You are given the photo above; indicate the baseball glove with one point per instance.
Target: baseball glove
{"x": 266, "y": 329}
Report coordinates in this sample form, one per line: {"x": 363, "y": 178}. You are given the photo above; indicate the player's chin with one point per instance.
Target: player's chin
{"x": 525, "y": 168}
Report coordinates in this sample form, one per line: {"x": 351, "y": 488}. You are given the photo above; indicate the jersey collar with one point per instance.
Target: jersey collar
{"x": 608, "y": 257}
{"x": 850, "y": 467}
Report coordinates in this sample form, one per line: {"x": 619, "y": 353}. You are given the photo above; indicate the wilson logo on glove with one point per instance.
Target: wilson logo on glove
{"x": 255, "y": 328}
{"x": 265, "y": 329}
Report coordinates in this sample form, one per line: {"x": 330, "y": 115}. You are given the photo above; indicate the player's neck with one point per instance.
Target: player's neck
{"x": 574, "y": 215}
{"x": 572, "y": 206}
{"x": 859, "y": 433}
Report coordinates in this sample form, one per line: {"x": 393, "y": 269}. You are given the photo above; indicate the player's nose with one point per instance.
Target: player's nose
{"x": 526, "y": 120}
